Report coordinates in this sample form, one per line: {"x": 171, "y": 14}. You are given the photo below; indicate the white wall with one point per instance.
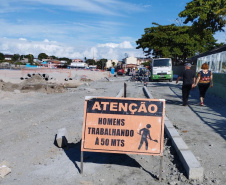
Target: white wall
{"x": 131, "y": 60}
{"x": 109, "y": 63}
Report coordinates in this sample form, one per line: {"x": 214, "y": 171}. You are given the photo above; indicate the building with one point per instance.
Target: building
{"x": 51, "y": 63}
{"x": 216, "y": 59}
{"x": 130, "y": 60}
{"x": 77, "y": 60}
{"x": 36, "y": 60}
{"x": 8, "y": 57}
{"x": 129, "y": 64}
{"x": 111, "y": 63}
{"x": 24, "y": 60}
{"x": 45, "y": 59}
{"x": 141, "y": 60}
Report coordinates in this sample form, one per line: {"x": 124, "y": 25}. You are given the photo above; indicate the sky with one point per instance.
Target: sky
{"x": 79, "y": 29}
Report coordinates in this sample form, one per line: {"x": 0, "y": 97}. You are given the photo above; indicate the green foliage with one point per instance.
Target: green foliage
{"x": 205, "y": 14}
{"x": 2, "y": 56}
{"x": 101, "y": 63}
{"x": 19, "y": 63}
{"x": 53, "y": 57}
{"x": 30, "y": 58}
{"x": 42, "y": 56}
{"x": 177, "y": 42}
{"x": 16, "y": 57}
{"x": 66, "y": 59}
{"x": 91, "y": 62}
{"x": 146, "y": 63}
{"x": 22, "y": 56}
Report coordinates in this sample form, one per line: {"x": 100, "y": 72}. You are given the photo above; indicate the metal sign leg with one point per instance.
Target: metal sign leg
{"x": 160, "y": 170}
{"x": 81, "y": 162}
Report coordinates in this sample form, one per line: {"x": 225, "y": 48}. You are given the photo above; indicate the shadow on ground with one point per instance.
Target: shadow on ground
{"x": 73, "y": 152}
{"x": 212, "y": 114}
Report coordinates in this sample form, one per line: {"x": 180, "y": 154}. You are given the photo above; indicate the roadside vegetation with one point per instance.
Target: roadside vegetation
{"x": 18, "y": 60}
{"x": 192, "y": 33}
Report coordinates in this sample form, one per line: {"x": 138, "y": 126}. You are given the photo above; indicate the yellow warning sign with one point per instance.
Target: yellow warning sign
{"x": 123, "y": 125}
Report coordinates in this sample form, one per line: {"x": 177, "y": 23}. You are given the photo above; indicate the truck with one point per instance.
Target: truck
{"x": 161, "y": 69}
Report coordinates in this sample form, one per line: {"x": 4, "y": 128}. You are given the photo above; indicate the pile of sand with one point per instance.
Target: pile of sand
{"x": 84, "y": 78}
{"x": 35, "y": 83}
{"x": 40, "y": 81}
{"x": 7, "y": 86}
{"x": 35, "y": 79}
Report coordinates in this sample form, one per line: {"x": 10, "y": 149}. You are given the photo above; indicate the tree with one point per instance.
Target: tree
{"x": 53, "y": 57}
{"x": 101, "y": 63}
{"x": 147, "y": 64}
{"x": 91, "y": 62}
{"x": 30, "y": 58}
{"x": 42, "y": 56}
{"x": 15, "y": 57}
{"x": 2, "y": 56}
{"x": 22, "y": 56}
{"x": 177, "y": 42}
{"x": 66, "y": 59}
{"x": 205, "y": 14}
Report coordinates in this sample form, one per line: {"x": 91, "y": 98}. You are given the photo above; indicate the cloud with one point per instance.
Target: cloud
{"x": 106, "y": 7}
{"x": 147, "y": 6}
{"x": 22, "y": 39}
{"x": 72, "y": 38}
{"x": 125, "y": 44}
{"x": 46, "y": 40}
{"x": 23, "y": 46}
{"x": 77, "y": 33}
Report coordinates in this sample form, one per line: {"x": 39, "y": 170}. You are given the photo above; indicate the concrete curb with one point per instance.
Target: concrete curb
{"x": 147, "y": 93}
{"x": 121, "y": 93}
{"x": 189, "y": 161}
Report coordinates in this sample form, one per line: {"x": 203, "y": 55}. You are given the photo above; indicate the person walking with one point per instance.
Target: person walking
{"x": 204, "y": 80}
{"x": 188, "y": 82}
{"x": 146, "y": 77}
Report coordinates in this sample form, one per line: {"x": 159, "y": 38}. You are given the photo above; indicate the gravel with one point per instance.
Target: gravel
{"x": 29, "y": 123}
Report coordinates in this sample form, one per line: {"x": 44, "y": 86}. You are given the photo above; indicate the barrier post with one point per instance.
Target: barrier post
{"x": 125, "y": 85}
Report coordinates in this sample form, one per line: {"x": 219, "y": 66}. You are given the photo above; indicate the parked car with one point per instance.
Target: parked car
{"x": 120, "y": 72}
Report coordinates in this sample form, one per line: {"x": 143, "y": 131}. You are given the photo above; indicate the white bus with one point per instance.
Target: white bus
{"x": 161, "y": 69}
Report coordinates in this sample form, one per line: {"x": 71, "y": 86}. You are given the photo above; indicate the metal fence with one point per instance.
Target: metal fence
{"x": 216, "y": 62}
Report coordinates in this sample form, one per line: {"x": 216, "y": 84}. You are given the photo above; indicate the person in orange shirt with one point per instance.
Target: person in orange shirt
{"x": 204, "y": 80}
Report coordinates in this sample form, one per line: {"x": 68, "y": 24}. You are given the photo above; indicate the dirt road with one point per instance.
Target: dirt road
{"x": 29, "y": 123}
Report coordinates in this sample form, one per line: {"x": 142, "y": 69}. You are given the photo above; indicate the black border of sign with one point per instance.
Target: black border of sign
{"x": 119, "y": 151}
